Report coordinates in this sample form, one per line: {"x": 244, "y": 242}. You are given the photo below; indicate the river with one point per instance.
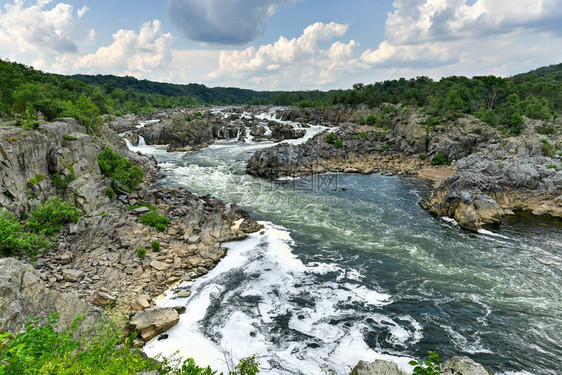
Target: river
{"x": 350, "y": 267}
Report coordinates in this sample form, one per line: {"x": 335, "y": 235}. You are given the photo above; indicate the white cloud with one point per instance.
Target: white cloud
{"x": 36, "y": 34}
{"x": 421, "y": 31}
{"x": 82, "y": 11}
{"x": 300, "y": 59}
{"x": 223, "y": 21}
{"x": 130, "y": 53}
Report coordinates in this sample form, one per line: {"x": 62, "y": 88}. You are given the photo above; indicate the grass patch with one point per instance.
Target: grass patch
{"x": 70, "y": 138}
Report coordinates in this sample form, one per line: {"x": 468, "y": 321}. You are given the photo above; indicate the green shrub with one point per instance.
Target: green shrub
{"x": 70, "y": 138}
{"x": 14, "y": 239}
{"x": 121, "y": 170}
{"x": 331, "y": 138}
{"x": 41, "y": 349}
{"x": 548, "y": 148}
{"x": 429, "y": 367}
{"x": 440, "y": 159}
{"x": 338, "y": 143}
{"x": 422, "y": 156}
{"x": 155, "y": 246}
{"x": 141, "y": 252}
{"x": 48, "y": 217}
{"x": 552, "y": 166}
{"x": 371, "y": 119}
{"x": 61, "y": 183}
{"x": 153, "y": 219}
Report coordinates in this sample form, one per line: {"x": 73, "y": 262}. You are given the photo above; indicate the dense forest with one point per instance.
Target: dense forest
{"x": 26, "y": 93}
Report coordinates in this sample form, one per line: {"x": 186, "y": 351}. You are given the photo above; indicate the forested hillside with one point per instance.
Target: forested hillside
{"x": 25, "y": 93}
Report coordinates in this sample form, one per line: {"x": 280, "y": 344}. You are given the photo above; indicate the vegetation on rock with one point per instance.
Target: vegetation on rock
{"x": 48, "y": 217}
{"x": 119, "y": 169}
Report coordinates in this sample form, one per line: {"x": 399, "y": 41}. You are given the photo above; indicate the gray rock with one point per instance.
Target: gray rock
{"x": 378, "y": 367}
{"x": 73, "y": 275}
{"x": 141, "y": 210}
{"x": 23, "y": 294}
{"x": 151, "y": 322}
{"x": 462, "y": 366}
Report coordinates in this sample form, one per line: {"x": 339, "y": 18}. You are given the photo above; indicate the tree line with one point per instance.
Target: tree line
{"x": 26, "y": 93}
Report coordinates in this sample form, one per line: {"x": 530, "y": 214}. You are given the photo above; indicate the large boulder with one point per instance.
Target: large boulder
{"x": 23, "y": 294}
{"x": 378, "y": 367}
{"x": 462, "y": 366}
{"x": 151, "y": 322}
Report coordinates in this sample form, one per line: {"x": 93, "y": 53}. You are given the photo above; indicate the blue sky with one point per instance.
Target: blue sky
{"x": 282, "y": 44}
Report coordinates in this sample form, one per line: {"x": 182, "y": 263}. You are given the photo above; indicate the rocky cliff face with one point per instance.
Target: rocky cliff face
{"x": 30, "y": 157}
{"x": 490, "y": 176}
{"x": 513, "y": 175}
{"x": 96, "y": 259}
{"x": 23, "y": 294}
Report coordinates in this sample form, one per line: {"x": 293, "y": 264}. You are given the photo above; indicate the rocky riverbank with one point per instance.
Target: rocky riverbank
{"x": 482, "y": 173}
{"x": 96, "y": 260}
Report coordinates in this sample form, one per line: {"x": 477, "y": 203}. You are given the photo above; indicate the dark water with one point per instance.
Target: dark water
{"x": 354, "y": 269}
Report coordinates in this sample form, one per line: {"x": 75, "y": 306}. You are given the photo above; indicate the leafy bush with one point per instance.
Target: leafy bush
{"x": 41, "y": 349}
{"x": 155, "y": 246}
{"x": 548, "y": 148}
{"x": 153, "y": 219}
{"x": 429, "y": 367}
{"x": 422, "y": 156}
{"x": 69, "y": 138}
{"x": 371, "y": 119}
{"x": 14, "y": 239}
{"x": 331, "y": 138}
{"x": 62, "y": 183}
{"x": 121, "y": 170}
{"x": 48, "y": 217}
{"x": 552, "y": 166}
{"x": 440, "y": 159}
{"x": 141, "y": 252}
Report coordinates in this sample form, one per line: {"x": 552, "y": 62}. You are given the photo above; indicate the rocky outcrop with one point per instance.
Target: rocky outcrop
{"x": 462, "y": 366}
{"x": 513, "y": 175}
{"x": 378, "y": 367}
{"x": 122, "y": 124}
{"x": 453, "y": 366}
{"x": 30, "y": 157}
{"x": 152, "y": 322}
{"x": 181, "y": 132}
{"x": 24, "y": 295}
{"x": 364, "y": 149}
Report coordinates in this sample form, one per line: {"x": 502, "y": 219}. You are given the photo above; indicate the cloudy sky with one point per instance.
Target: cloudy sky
{"x": 282, "y": 44}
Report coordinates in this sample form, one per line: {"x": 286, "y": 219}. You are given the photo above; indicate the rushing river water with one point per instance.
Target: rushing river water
{"x": 349, "y": 267}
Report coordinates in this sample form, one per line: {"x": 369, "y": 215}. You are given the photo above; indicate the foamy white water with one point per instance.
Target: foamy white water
{"x": 270, "y": 276}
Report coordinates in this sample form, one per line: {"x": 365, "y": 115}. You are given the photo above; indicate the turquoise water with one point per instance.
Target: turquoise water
{"x": 350, "y": 267}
